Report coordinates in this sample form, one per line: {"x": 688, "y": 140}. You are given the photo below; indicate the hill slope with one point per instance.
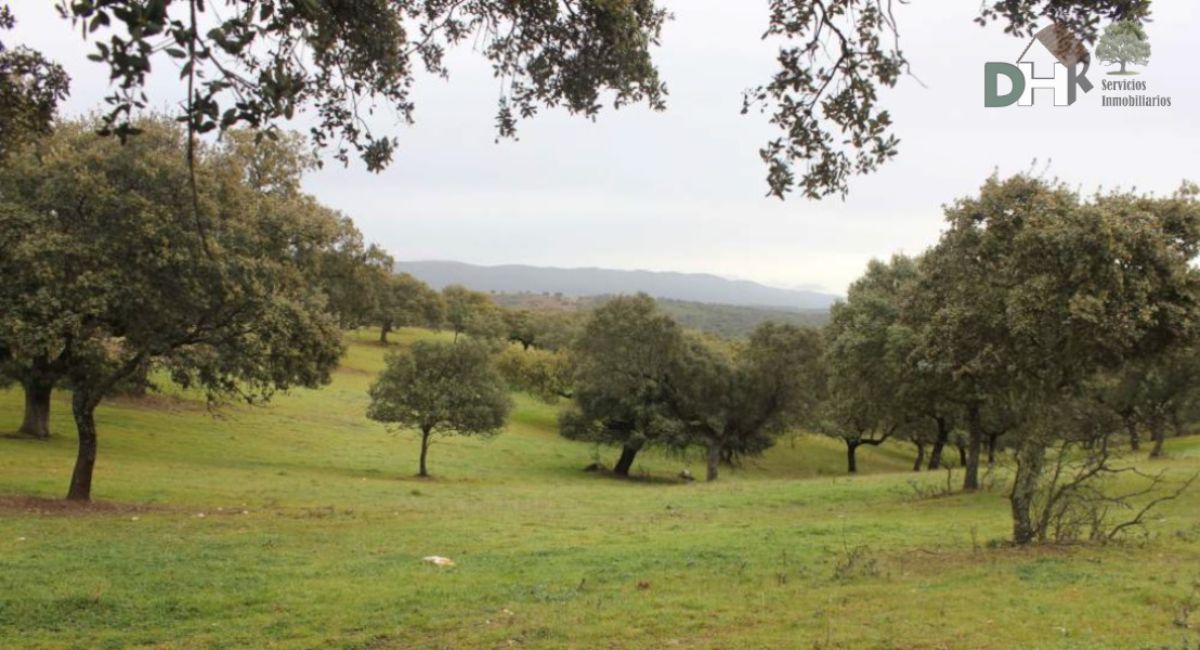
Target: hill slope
{"x": 694, "y": 287}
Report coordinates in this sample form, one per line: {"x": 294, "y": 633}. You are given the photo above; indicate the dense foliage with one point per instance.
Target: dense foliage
{"x": 106, "y": 271}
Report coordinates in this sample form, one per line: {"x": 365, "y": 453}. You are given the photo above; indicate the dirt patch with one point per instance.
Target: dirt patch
{"x": 156, "y": 402}
{"x": 47, "y": 506}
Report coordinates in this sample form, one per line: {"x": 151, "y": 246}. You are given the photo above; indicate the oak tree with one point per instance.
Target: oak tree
{"x": 441, "y": 389}
{"x": 622, "y": 361}
{"x": 405, "y": 301}
{"x": 106, "y": 271}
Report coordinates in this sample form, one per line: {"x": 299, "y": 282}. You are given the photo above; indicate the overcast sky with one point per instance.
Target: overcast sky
{"x": 684, "y": 190}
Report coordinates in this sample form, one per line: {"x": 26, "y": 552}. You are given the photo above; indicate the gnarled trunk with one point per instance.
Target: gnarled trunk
{"x": 714, "y": 461}
{"x": 383, "y": 332}
{"x": 974, "y": 447}
{"x": 1135, "y": 441}
{"x": 920, "y": 455}
{"x": 625, "y": 462}
{"x": 36, "y": 423}
{"x": 1031, "y": 458}
{"x": 1158, "y": 435}
{"x": 943, "y": 435}
{"x": 1176, "y": 423}
{"x": 83, "y": 407}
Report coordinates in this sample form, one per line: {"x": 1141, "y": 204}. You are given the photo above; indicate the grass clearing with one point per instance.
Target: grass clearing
{"x": 300, "y": 525}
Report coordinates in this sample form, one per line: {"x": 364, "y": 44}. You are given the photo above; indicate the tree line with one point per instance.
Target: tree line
{"x": 117, "y": 276}
{"x": 1042, "y": 324}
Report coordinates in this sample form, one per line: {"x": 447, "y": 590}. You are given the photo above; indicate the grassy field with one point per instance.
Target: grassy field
{"x": 300, "y": 525}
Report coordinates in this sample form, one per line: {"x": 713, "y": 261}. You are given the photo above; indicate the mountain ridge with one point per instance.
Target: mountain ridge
{"x": 594, "y": 281}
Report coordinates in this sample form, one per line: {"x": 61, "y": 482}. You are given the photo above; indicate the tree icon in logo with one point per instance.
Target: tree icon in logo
{"x": 1124, "y": 43}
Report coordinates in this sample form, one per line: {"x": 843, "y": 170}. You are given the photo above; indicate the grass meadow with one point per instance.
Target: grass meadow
{"x": 300, "y": 525}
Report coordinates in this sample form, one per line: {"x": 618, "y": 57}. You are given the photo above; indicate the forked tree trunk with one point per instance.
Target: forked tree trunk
{"x": 625, "y": 462}
{"x": 83, "y": 407}
{"x": 920, "y": 455}
{"x": 714, "y": 461}
{"x": 424, "y": 452}
{"x": 36, "y": 423}
{"x": 1031, "y": 458}
{"x": 974, "y": 447}
{"x": 852, "y": 457}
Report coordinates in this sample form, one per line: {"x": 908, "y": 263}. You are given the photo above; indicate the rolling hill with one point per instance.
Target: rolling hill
{"x": 576, "y": 282}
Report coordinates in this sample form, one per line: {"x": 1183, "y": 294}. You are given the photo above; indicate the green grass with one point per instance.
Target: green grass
{"x": 301, "y": 525}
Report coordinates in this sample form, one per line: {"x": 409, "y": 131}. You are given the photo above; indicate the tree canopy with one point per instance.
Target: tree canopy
{"x": 868, "y": 393}
{"x": 734, "y": 400}
{"x": 622, "y": 359}
{"x": 31, "y": 87}
{"x": 472, "y": 313}
{"x": 253, "y": 63}
{"x": 1033, "y": 291}
{"x": 256, "y": 63}
{"x": 405, "y": 301}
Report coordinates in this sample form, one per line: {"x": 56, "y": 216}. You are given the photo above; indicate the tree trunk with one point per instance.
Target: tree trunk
{"x": 920, "y": 455}
{"x": 1158, "y": 435}
{"x": 36, "y": 423}
{"x": 83, "y": 407}
{"x": 1135, "y": 441}
{"x": 1031, "y": 457}
{"x": 852, "y": 457}
{"x": 1176, "y": 423}
{"x": 1122, "y": 67}
{"x": 935, "y": 456}
{"x": 974, "y": 446}
{"x": 383, "y": 332}
{"x": 424, "y": 452}
{"x": 991, "y": 449}
{"x": 625, "y": 462}
{"x": 714, "y": 461}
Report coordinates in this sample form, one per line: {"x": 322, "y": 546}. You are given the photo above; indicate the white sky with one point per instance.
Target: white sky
{"x": 684, "y": 190}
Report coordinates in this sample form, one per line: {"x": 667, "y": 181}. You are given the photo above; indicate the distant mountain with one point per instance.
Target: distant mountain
{"x": 692, "y": 287}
